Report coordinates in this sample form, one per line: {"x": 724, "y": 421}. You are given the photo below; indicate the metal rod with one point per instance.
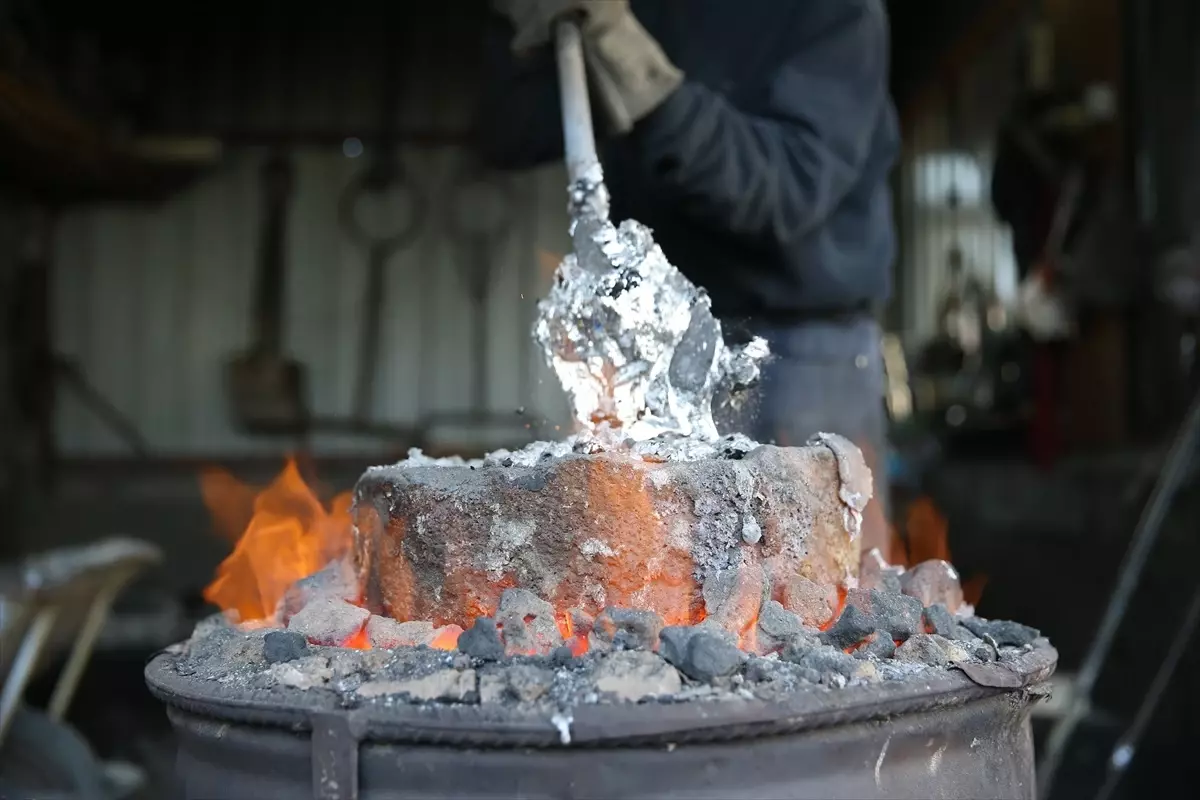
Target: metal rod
{"x": 579, "y": 138}
{"x": 481, "y": 332}
{"x": 1123, "y": 753}
{"x": 1145, "y": 535}
{"x": 68, "y": 679}
{"x": 99, "y": 405}
{"x": 23, "y": 666}
{"x": 368, "y": 345}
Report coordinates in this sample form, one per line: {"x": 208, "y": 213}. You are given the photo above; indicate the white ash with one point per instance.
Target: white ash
{"x": 416, "y": 458}
{"x": 665, "y": 447}
{"x": 558, "y": 681}
{"x": 855, "y": 486}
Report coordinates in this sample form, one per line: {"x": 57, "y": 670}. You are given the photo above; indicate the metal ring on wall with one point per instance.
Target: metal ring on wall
{"x": 470, "y": 174}
{"x": 371, "y": 181}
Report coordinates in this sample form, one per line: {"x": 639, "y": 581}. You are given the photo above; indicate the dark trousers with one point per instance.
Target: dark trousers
{"x": 824, "y": 376}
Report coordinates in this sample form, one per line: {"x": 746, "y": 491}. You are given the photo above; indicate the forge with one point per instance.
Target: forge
{"x": 643, "y": 610}
{"x": 671, "y": 618}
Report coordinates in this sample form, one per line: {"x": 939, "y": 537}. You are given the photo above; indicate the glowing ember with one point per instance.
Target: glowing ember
{"x": 358, "y": 641}
{"x": 289, "y": 535}
{"x": 293, "y": 552}
{"x": 447, "y": 638}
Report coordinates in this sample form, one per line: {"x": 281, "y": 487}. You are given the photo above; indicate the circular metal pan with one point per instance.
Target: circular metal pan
{"x": 602, "y": 725}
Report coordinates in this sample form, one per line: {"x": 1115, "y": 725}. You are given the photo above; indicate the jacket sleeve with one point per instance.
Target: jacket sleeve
{"x": 774, "y": 176}
{"x": 519, "y": 119}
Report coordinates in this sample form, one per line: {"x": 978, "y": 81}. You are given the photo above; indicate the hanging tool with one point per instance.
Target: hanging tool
{"x": 579, "y": 136}
{"x": 478, "y": 229}
{"x": 267, "y": 390}
{"x": 384, "y": 176}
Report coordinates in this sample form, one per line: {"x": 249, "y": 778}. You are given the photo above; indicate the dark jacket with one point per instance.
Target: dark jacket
{"x": 765, "y": 175}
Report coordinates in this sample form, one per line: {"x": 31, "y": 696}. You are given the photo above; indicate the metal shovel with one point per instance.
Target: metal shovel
{"x": 669, "y": 360}
{"x": 267, "y": 390}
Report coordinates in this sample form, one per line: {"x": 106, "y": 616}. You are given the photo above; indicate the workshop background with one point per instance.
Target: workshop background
{"x": 139, "y": 146}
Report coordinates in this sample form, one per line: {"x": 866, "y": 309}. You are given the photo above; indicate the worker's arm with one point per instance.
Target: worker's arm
{"x": 775, "y": 176}
{"x": 520, "y": 118}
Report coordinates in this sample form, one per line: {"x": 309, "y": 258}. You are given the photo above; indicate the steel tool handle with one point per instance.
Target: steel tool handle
{"x": 579, "y": 137}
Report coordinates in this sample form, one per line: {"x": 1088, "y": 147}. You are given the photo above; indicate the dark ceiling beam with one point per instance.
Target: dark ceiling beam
{"x": 969, "y": 29}
{"x": 50, "y": 153}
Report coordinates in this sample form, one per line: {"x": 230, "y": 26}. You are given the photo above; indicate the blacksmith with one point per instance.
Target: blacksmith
{"x": 755, "y": 137}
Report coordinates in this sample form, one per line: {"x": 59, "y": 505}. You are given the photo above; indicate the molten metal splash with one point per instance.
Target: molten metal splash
{"x": 286, "y": 534}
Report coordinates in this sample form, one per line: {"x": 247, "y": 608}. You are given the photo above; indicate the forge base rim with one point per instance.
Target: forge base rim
{"x": 617, "y": 725}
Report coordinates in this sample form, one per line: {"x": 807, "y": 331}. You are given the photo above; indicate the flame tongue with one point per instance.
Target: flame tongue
{"x": 289, "y": 536}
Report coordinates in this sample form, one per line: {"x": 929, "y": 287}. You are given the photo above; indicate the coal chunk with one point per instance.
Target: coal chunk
{"x": 581, "y": 621}
{"x": 777, "y": 622}
{"x": 673, "y": 641}
{"x": 934, "y": 582}
{"x": 898, "y": 614}
{"x": 761, "y": 669}
{"x": 814, "y": 603}
{"x": 527, "y": 624}
{"x": 482, "y": 641}
{"x": 561, "y": 656}
{"x": 520, "y": 683}
{"x": 798, "y": 646}
{"x": 625, "y": 629}
{"x": 710, "y": 657}
{"x": 852, "y": 627}
{"x": 699, "y": 654}
{"x": 328, "y": 621}
{"x": 335, "y": 581}
{"x": 875, "y": 573}
{"x": 878, "y": 645}
{"x": 1003, "y": 632}
{"x": 939, "y": 620}
{"x": 828, "y": 660}
{"x": 634, "y": 675}
{"x": 931, "y": 649}
{"x": 388, "y": 634}
{"x": 283, "y": 646}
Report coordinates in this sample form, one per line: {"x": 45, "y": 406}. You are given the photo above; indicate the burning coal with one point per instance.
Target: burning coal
{"x": 568, "y": 574}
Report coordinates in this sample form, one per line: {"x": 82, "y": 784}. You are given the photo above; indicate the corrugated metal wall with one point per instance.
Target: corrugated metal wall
{"x": 151, "y": 303}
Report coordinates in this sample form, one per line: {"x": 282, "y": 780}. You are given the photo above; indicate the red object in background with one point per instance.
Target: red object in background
{"x": 1045, "y": 439}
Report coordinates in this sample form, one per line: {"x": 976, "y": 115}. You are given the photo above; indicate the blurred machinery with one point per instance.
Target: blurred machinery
{"x": 971, "y": 379}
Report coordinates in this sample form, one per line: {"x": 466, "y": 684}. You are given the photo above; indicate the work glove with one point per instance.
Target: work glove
{"x": 631, "y": 73}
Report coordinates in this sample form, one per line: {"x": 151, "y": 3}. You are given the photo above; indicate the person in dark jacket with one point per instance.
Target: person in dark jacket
{"x": 755, "y": 137}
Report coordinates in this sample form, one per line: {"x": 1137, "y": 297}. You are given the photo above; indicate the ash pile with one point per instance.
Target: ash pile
{"x": 899, "y": 625}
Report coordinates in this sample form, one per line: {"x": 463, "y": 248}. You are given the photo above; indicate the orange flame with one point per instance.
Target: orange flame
{"x": 286, "y": 534}
{"x": 927, "y": 536}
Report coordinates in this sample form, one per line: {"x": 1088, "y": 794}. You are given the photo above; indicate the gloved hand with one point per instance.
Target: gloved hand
{"x": 630, "y": 70}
